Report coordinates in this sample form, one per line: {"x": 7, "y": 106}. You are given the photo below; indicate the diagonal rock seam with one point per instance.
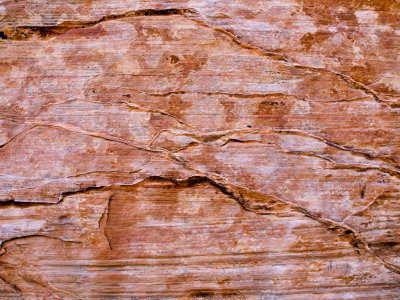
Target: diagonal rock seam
{"x": 45, "y": 32}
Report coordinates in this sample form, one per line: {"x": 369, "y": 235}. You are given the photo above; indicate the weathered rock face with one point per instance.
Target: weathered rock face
{"x": 243, "y": 149}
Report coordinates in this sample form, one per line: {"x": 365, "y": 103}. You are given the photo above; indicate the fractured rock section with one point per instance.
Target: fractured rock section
{"x": 176, "y": 150}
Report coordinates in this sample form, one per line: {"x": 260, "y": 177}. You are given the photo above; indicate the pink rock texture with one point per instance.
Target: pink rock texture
{"x": 200, "y": 149}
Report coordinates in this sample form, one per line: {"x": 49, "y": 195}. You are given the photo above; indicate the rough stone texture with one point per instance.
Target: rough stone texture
{"x": 242, "y": 149}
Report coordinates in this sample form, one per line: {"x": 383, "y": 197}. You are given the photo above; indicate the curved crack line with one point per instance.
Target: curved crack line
{"x": 17, "y": 135}
{"x": 43, "y": 281}
{"x": 365, "y": 208}
{"x": 103, "y": 225}
{"x": 184, "y": 147}
{"x": 186, "y": 134}
{"x": 3, "y": 243}
{"x": 137, "y": 107}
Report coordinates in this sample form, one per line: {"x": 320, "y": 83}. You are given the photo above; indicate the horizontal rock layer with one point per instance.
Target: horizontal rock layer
{"x": 246, "y": 149}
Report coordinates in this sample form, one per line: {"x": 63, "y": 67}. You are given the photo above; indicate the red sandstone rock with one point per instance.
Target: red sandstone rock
{"x": 244, "y": 149}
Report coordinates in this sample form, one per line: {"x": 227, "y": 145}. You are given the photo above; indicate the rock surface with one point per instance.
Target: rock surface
{"x": 168, "y": 149}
